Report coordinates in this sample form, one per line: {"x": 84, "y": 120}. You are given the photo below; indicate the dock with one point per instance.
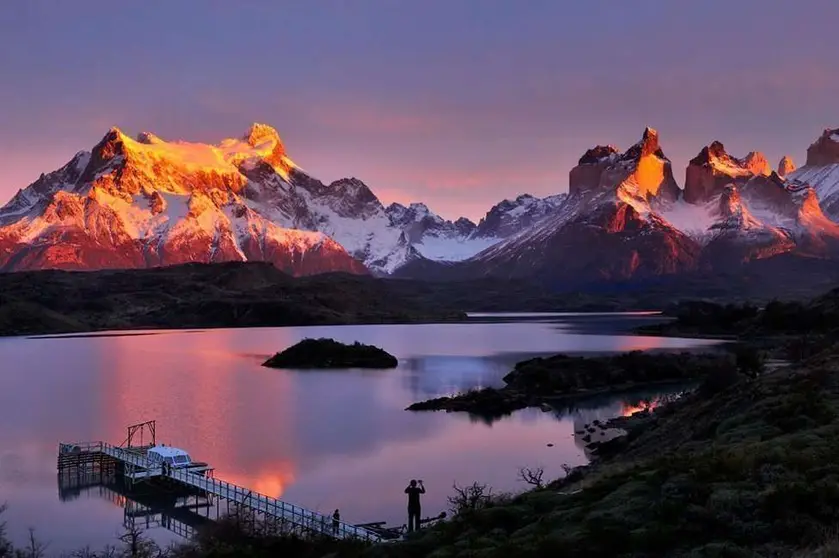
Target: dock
{"x": 130, "y": 461}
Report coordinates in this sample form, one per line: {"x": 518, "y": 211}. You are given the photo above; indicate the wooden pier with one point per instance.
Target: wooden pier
{"x": 132, "y": 464}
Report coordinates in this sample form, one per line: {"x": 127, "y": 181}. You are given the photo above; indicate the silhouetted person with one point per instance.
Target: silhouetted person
{"x": 414, "y": 508}
{"x": 336, "y": 520}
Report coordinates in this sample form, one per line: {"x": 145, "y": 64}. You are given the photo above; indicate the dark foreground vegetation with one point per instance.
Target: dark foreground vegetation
{"x": 539, "y": 381}
{"x": 199, "y": 295}
{"x": 328, "y": 353}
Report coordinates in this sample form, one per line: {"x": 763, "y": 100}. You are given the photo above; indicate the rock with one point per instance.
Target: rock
{"x": 603, "y": 167}
{"x": 328, "y": 353}
{"x": 737, "y": 236}
{"x": 756, "y": 162}
{"x": 487, "y": 402}
{"x": 785, "y": 166}
{"x": 825, "y": 150}
{"x": 713, "y": 169}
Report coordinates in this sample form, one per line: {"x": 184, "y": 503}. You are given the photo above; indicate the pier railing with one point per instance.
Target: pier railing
{"x": 310, "y": 520}
{"x": 297, "y": 516}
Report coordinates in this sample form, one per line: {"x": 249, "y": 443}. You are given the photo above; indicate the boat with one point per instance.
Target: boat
{"x": 176, "y": 458}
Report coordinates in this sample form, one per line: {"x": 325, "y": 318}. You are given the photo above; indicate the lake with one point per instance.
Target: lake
{"x": 322, "y": 440}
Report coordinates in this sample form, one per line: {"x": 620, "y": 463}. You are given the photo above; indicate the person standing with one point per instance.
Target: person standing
{"x": 336, "y": 521}
{"x": 413, "y": 491}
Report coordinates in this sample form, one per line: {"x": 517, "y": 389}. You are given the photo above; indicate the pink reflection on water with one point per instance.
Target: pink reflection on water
{"x": 323, "y": 440}
{"x": 191, "y": 384}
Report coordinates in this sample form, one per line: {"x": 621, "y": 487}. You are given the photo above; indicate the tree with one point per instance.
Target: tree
{"x": 469, "y": 498}
{"x": 6, "y": 549}
{"x": 532, "y": 476}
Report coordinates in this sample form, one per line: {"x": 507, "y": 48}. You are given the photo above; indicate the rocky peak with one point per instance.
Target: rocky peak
{"x": 509, "y": 217}
{"x": 713, "y": 169}
{"x": 756, "y": 162}
{"x": 260, "y": 133}
{"x": 825, "y": 150}
{"x": 148, "y": 138}
{"x": 648, "y": 145}
{"x": 396, "y": 211}
{"x": 420, "y": 209}
{"x": 263, "y": 136}
{"x": 785, "y": 166}
{"x": 712, "y": 151}
{"x": 643, "y": 166}
{"x": 597, "y": 154}
{"x": 730, "y": 203}
{"x": 348, "y": 197}
{"x": 110, "y": 148}
{"x": 464, "y": 226}
{"x": 415, "y": 212}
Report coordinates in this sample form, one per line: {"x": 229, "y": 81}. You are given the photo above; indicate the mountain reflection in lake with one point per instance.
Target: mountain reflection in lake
{"x": 320, "y": 439}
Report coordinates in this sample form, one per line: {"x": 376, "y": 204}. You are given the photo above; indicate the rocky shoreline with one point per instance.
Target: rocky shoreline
{"x": 543, "y": 381}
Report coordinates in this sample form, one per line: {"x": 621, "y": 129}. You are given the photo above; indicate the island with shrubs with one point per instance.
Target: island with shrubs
{"x": 328, "y": 353}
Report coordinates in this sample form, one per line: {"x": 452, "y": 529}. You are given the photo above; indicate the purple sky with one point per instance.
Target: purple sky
{"x": 456, "y": 103}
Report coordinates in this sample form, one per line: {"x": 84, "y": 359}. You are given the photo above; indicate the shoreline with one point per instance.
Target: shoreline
{"x": 544, "y": 381}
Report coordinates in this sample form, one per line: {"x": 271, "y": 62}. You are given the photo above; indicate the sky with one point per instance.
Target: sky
{"x": 455, "y": 103}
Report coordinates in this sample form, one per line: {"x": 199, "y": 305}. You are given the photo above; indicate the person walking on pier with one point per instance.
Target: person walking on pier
{"x": 414, "y": 508}
{"x": 336, "y": 521}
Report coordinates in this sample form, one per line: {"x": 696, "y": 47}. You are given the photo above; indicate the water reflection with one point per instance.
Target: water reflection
{"x": 324, "y": 440}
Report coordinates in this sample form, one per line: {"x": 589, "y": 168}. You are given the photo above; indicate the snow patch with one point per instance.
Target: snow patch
{"x": 452, "y": 250}
{"x": 692, "y": 219}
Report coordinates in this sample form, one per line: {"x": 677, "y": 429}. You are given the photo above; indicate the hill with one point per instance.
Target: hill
{"x": 198, "y": 295}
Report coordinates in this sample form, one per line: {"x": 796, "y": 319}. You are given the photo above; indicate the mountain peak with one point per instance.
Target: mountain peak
{"x": 756, "y": 162}
{"x": 597, "y": 154}
{"x": 714, "y": 150}
{"x": 825, "y": 150}
{"x": 260, "y": 133}
{"x": 649, "y": 141}
{"x": 785, "y": 166}
{"x": 148, "y": 138}
{"x": 713, "y": 169}
{"x": 643, "y": 167}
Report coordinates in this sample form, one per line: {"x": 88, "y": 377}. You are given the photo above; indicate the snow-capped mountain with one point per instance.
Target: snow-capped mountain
{"x": 145, "y": 202}
{"x": 625, "y": 216}
{"x": 433, "y": 237}
{"x": 737, "y": 236}
{"x": 605, "y": 228}
{"x": 740, "y": 210}
{"x": 510, "y": 217}
{"x": 139, "y": 202}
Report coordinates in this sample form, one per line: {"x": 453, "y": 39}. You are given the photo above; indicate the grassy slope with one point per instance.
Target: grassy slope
{"x": 754, "y": 468}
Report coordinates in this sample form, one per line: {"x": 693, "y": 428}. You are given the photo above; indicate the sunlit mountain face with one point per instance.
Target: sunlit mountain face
{"x": 142, "y": 201}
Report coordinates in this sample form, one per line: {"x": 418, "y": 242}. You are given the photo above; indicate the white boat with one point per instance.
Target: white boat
{"x": 175, "y": 458}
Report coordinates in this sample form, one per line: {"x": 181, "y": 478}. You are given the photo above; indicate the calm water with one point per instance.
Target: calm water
{"x": 324, "y": 440}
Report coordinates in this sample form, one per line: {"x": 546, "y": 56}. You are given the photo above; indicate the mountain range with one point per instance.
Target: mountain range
{"x": 145, "y": 202}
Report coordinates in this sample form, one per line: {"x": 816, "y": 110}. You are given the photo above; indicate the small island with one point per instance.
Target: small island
{"x": 328, "y": 353}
